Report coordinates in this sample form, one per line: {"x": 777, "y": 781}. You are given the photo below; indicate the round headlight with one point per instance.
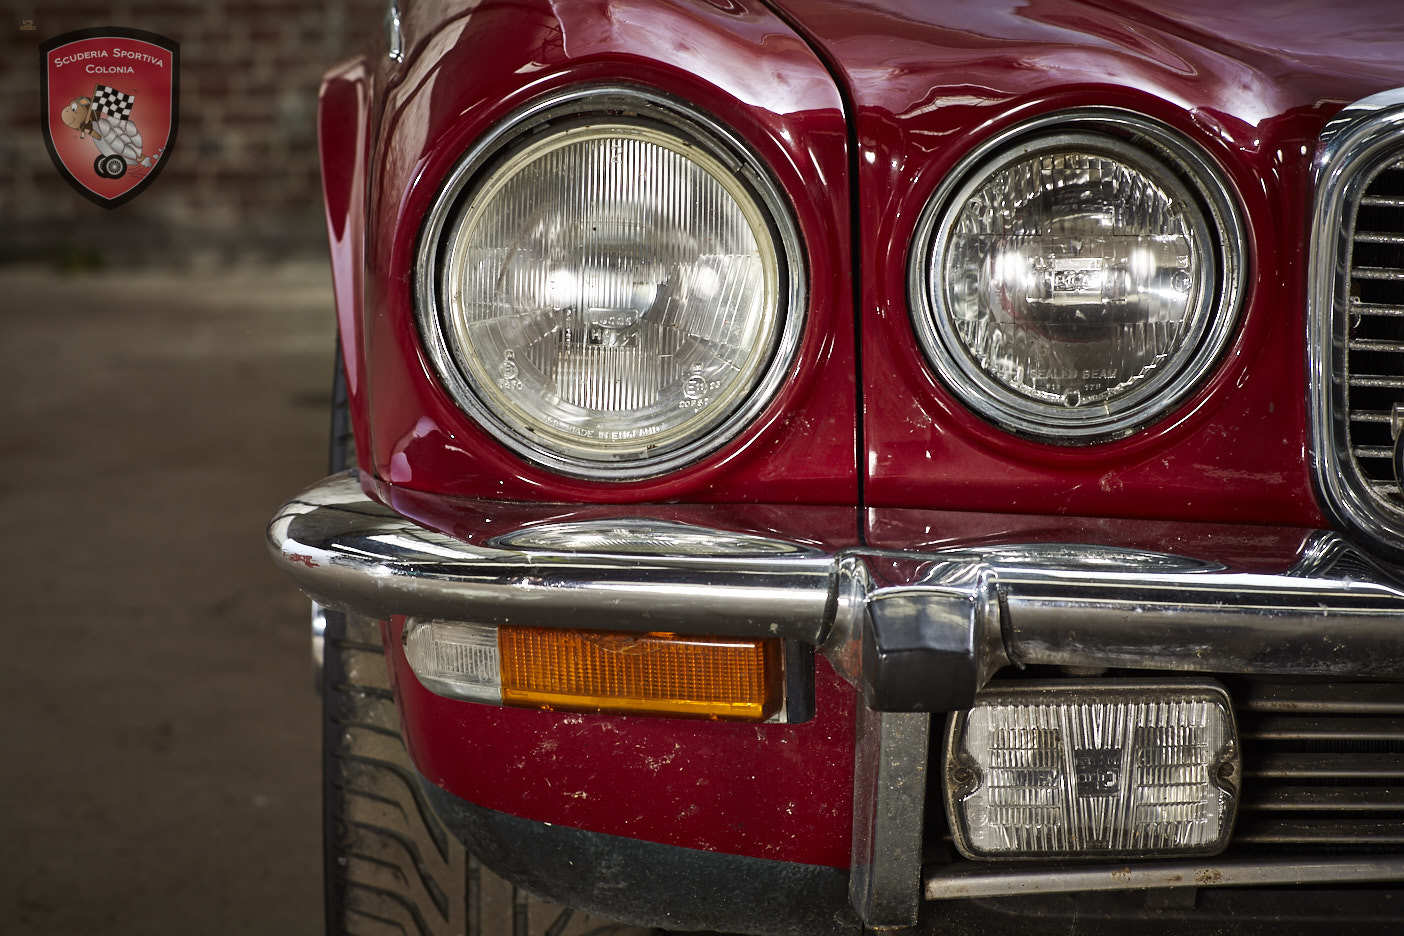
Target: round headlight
{"x": 611, "y": 285}
{"x": 1074, "y": 285}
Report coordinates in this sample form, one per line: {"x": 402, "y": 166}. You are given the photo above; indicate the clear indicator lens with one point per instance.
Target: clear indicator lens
{"x": 1101, "y": 773}
{"x": 598, "y": 671}
{"x": 455, "y": 659}
{"x": 612, "y": 292}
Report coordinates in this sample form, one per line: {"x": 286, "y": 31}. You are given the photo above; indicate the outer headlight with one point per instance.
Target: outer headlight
{"x": 1078, "y": 276}
{"x": 611, "y": 284}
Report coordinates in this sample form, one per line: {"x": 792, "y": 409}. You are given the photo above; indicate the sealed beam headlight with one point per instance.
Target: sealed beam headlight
{"x": 1075, "y": 279}
{"x": 1120, "y": 769}
{"x": 611, "y": 285}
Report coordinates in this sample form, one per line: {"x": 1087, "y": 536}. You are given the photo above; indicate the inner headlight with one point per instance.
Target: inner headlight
{"x": 1074, "y": 284}
{"x": 612, "y": 285}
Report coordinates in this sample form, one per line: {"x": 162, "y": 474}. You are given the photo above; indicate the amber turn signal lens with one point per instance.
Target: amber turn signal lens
{"x": 659, "y": 673}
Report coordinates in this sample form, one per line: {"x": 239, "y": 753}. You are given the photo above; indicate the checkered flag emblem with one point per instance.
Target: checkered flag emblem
{"x": 113, "y": 103}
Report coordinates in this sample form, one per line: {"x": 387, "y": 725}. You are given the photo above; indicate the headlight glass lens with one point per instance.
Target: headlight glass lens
{"x": 1076, "y": 286}
{"x": 612, "y": 292}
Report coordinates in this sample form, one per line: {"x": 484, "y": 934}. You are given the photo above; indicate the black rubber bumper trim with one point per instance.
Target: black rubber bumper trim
{"x": 648, "y": 884}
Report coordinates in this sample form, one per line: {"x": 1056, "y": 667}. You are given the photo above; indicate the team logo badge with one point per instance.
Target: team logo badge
{"x": 110, "y": 107}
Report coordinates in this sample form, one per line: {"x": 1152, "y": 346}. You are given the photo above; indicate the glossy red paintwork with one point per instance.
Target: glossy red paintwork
{"x": 343, "y": 142}
{"x": 819, "y": 527}
{"x": 1238, "y": 547}
{"x": 1250, "y": 83}
{"x": 782, "y": 792}
{"x": 735, "y": 61}
{"x": 779, "y": 792}
{"x": 929, "y": 81}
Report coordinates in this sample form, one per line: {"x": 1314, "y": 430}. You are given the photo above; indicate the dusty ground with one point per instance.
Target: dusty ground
{"x": 161, "y": 738}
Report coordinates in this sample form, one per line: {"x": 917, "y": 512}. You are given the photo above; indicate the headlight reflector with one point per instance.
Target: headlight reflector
{"x": 1075, "y": 285}
{"x": 613, "y": 294}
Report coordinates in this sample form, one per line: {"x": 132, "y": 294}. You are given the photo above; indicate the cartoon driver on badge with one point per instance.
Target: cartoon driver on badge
{"x": 105, "y": 118}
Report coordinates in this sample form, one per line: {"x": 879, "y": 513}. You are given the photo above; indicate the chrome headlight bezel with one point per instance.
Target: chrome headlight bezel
{"x": 645, "y": 108}
{"x": 1149, "y": 146}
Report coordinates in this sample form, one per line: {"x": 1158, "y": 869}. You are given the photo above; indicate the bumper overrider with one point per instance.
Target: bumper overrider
{"x": 915, "y": 632}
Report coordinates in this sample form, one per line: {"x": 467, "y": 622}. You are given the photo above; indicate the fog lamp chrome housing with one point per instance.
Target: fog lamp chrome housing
{"x": 611, "y": 284}
{"x": 1118, "y": 769}
{"x": 1078, "y": 275}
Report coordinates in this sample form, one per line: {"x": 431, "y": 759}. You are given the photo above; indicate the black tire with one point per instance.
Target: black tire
{"x": 342, "y": 454}
{"x": 115, "y": 167}
{"x": 389, "y": 864}
{"x": 100, "y": 166}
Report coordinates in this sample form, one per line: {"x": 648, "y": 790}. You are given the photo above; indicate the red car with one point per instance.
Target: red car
{"x": 825, "y": 466}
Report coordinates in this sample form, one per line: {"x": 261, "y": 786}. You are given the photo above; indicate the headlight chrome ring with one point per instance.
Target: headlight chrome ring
{"x": 712, "y": 375}
{"x": 1000, "y": 386}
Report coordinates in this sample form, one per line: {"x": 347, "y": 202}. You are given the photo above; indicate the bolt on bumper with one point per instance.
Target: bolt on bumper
{"x": 914, "y": 631}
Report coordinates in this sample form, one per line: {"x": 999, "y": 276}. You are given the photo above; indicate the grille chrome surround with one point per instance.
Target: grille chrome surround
{"x": 1350, "y": 446}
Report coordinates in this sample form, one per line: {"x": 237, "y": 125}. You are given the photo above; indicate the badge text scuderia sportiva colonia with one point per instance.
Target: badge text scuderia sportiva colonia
{"x": 110, "y": 101}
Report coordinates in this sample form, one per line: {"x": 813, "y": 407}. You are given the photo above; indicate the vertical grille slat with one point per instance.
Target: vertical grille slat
{"x": 1355, "y": 316}
{"x": 1323, "y": 765}
{"x": 1374, "y": 370}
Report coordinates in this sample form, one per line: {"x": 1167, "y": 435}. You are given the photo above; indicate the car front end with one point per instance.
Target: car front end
{"x": 823, "y": 467}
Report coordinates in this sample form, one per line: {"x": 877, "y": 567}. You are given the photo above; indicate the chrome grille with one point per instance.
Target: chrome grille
{"x": 1355, "y": 316}
{"x": 1374, "y": 362}
{"x": 1323, "y": 766}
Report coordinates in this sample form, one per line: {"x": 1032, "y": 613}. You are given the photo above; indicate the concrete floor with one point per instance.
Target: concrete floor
{"x": 161, "y": 762}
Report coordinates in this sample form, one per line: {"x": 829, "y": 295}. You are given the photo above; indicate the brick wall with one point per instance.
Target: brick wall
{"x": 242, "y": 179}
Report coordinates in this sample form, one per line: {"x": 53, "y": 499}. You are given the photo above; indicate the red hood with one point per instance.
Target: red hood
{"x": 1250, "y": 83}
{"x": 1247, "y": 57}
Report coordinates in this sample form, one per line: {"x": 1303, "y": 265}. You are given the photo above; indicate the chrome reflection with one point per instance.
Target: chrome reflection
{"x": 1332, "y": 611}
{"x": 637, "y": 536}
{"x": 319, "y": 643}
{"x": 1354, "y": 145}
{"x": 1086, "y": 558}
{"x": 394, "y": 32}
{"x": 349, "y": 552}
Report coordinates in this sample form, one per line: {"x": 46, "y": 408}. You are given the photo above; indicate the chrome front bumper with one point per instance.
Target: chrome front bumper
{"x": 916, "y": 632}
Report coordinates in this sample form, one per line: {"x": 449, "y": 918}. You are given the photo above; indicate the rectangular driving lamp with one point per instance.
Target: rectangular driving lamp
{"x": 599, "y": 671}
{"x": 1116, "y": 769}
